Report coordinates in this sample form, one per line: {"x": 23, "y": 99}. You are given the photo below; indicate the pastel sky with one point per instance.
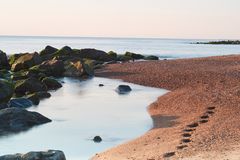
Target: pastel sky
{"x": 122, "y": 18}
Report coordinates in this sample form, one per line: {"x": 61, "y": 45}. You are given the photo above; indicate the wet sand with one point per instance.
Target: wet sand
{"x": 198, "y": 119}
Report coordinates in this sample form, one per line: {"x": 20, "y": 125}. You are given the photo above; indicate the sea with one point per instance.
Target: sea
{"x": 164, "y": 48}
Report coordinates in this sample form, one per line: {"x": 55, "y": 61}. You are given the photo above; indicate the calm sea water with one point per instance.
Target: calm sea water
{"x": 165, "y": 48}
{"x": 81, "y": 110}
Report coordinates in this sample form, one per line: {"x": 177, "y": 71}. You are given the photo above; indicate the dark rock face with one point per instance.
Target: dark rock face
{"x": 30, "y": 85}
{"x": 51, "y": 68}
{"x": 123, "y": 58}
{"x": 77, "y": 69}
{"x": 97, "y": 139}
{"x": 94, "y": 55}
{"x": 3, "y": 106}
{"x": 6, "y": 91}
{"x": 43, "y": 95}
{"x": 101, "y": 85}
{"x": 17, "y": 119}
{"x": 51, "y": 83}
{"x": 4, "y": 61}
{"x": 26, "y": 61}
{"x": 47, "y": 52}
{"x": 20, "y": 103}
{"x": 34, "y": 98}
{"x": 151, "y": 58}
{"x": 123, "y": 89}
{"x": 46, "y": 155}
{"x": 134, "y": 55}
{"x": 73, "y": 69}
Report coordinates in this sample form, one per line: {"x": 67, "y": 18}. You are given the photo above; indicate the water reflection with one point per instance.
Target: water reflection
{"x": 81, "y": 110}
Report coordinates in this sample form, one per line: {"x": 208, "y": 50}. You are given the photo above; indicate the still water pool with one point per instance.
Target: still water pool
{"x": 81, "y": 110}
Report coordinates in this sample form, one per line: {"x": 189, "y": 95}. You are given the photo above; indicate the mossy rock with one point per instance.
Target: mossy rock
{"x": 34, "y": 98}
{"x": 6, "y": 90}
{"x": 151, "y": 57}
{"x": 65, "y": 51}
{"x": 113, "y": 55}
{"x": 123, "y": 58}
{"x": 134, "y": 55}
{"x": 26, "y": 61}
{"x": 30, "y": 85}
{"x": 51, "y": 83}
{"x": 5, "y": 74}
{"x": 4, "y": 61}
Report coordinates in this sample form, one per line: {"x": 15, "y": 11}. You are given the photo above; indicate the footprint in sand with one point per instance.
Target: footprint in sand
{"x": 182, "y": 147}
{"x": 188, "y": 130}
{"x": 193, "y": 125}
{"x": 211, "y": 108}
{"x": 204, "y": 117}
{"x": 186, "y": 135}
{"x": 210, "y": 112}
{"x": 169, "y": 154}
{"x": 185, "y": 140}
{"x": 203, "y": 121}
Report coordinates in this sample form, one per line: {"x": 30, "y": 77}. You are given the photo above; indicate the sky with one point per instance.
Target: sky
{"x": 215, "y": 19}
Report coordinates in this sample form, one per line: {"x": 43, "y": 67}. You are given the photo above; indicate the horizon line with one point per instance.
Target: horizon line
{"x": 114, "y": 37}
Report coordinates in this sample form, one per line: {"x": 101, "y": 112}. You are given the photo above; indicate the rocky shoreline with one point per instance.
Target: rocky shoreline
{"x": 27, "y": 78}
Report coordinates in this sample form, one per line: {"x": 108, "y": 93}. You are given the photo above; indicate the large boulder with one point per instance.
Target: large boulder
{"x": 6, "y": 90}
{"x": 30, "y": 85}
{"x": 134, "y": 55}
{"x": 4, "y": 61}
{"x": 123, "y": 89}
{"x": 50, "y": 68}
{"x": 77, "y": 69}
{"x": 47, "y": 52}
{"x": 45, "y": 155}
{"x": 17, "y": 119}
{"x": 26, "y": 61}
{"x": 20, "y": 103}
{"x": 51, "y": 83}
{"x": 94, "y": 55}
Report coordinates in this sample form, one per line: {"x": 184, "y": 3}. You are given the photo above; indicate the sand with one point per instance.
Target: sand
{"x": 198, "y": 119}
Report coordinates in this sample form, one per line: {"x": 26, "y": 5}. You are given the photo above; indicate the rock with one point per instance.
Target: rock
{"x": 34, "y": 98}
{"x": 123, "y": 58}
{"x": 30, "y": 85}
{"x": 134, "y": 55}
{"x": 21, "y": 75}
{"x": 17, "y": 119}
{"x": 93, "y": 54}
{"x": 4, "y": 61}
{"x": 43, "y": 95}
{"x": 46, "y": 155}
{"x": 14, "y": 57}
{"x": 77, "y": 69}
{"x": 5, "y": 74}
{"x": 151, "y": 58}
{"x": 51, "y": 68}
{"x": 48, "y": 52}
{"x": 26, "y": 61}
{"x": 6, "y": 90}
{"x": 123, "y": 89}
{"x": 51, "y": 83}
{"x": 20, "y": 103}
{"x": 3, "y": 106}
{"x": 65, "y": 51}
{"x": 101, "y": 85}
{"x": 113, "y": 55}
{"x": 97, "y": 139}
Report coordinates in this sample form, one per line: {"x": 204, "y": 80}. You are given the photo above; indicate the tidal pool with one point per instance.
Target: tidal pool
{"x": 81, "y": 110}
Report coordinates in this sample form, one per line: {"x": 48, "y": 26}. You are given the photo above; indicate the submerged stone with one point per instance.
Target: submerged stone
{"x": 123, "y": 89}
